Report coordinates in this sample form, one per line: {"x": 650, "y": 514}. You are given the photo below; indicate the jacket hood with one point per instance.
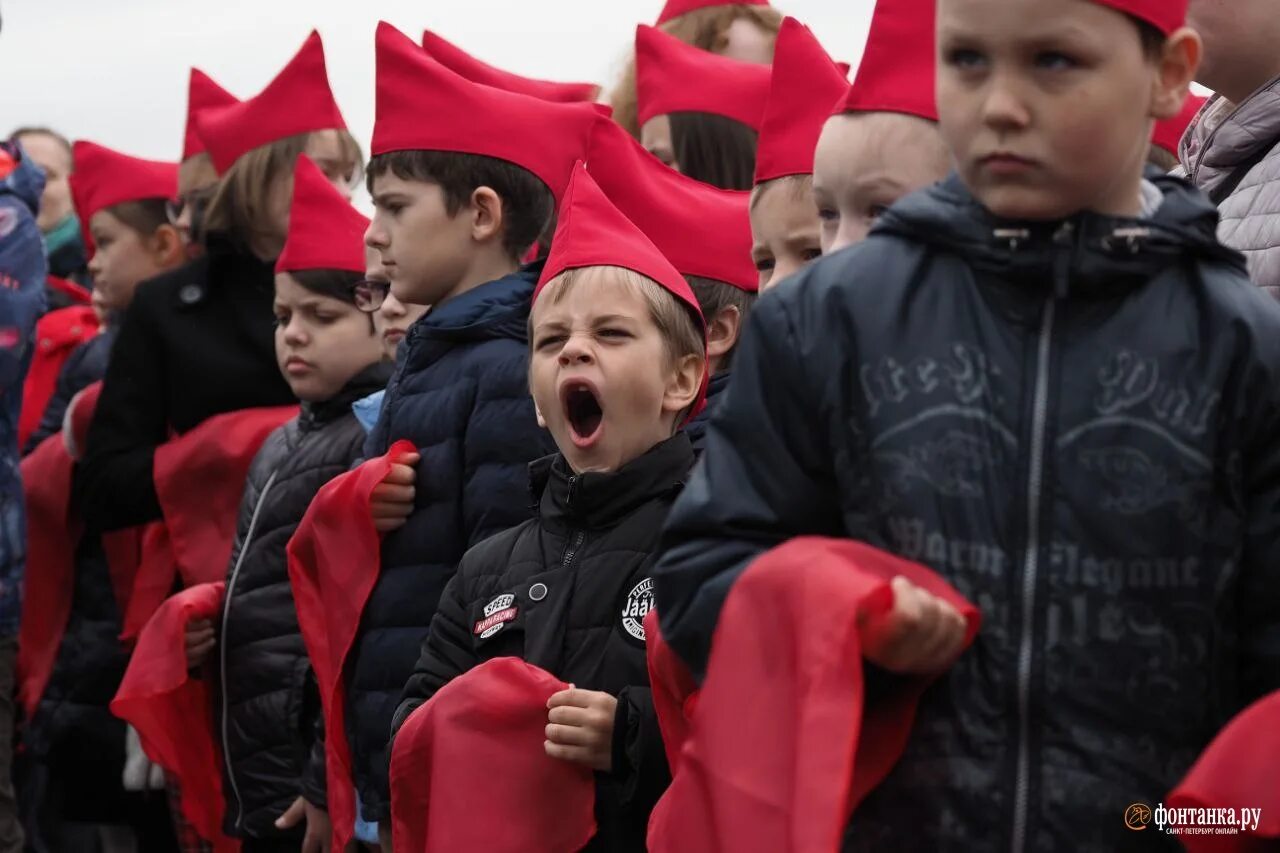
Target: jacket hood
{"x": 26, "y": 181}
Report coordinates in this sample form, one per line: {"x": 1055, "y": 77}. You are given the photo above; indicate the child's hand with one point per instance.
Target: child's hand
{"x": 580, "y": 728}
{"x": 921, "y": 635}
{"x": 200, "y": 642}
{"x": 319, "y": 831}
{"x": 392, "y": 501}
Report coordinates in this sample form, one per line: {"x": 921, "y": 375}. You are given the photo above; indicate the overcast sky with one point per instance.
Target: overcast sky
{"x": 115, "y": 71}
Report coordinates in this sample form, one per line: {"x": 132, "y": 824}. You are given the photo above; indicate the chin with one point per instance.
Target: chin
{"x": 1024, "y": 204}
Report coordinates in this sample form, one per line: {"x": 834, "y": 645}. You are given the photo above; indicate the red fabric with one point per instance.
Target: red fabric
{"x": 51, "y": 543}
{"x": 460, "y": 62}
{"x": 1165, "y": 15}
{"x": 805, "y": 83}
{"x": 468, "y": 769}
{"x": 896, "y": 74}
{"x": 702, "y": 230}
{"x": 334, "y": 560}
{"x": 199, "y": 528}
{"x": 542, "y": 137}
{"x": 325, "y": 231}
{"x": 202, "y": 93}
{"x": 1168, "y": 133}
{"x": 782, "y": 768}
{"x": 298, "y": 100}
{"x": 77, "y": 294}
{"x": 58, "y": 333}
{"x": 173, "y": 712}
{"x": 674, "y": 77}
{"x": 1238, "y": 770}
{"x": 676, "y": 8}
{"x": 102, "y": 177}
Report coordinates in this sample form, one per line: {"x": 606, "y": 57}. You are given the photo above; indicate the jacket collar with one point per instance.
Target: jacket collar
{"x": 1226, "y": 135}
{"x": 495, "y": 309}
{"x": 595, "y": 500}
{"x": 372, "y": 378}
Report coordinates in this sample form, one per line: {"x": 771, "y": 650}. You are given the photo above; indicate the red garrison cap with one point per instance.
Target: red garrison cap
{"x": 459, "y": 61}
{"x": 325, "y": 231}
{"x": 703, "y": 231}
{"x": 806, "y": 82}
{"x": 1164, "y": 15}
{"x": 676, "y": 8}
{"x": 202, "y": 94}
{"x": 298, "y": 100}
{"x": 423, "y": 106}
{"x": 897, "y": 70}
{"x": 1168, "y": 133}
{"x": 101, "y": 178}
{"x": 674, "y": 77}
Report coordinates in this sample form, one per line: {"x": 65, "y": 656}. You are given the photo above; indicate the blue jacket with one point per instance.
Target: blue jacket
{"x": 460, "y": 394}
{"x": 696, "y": 429}
{"x": 22, "y": 301}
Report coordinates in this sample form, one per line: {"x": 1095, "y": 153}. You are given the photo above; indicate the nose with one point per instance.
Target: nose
{"x": 1004, "y": 109}
{"x": 784, "y": 268}
{"x": 852, "y": 230}
{"x": 343, "y": 188}
{"x": 95, "y": 264}
{"x": 392, "y": 308}
{"x": 294, "y": 334}
{"x": 575, "y": 351}
{"x": 375, "y": 236}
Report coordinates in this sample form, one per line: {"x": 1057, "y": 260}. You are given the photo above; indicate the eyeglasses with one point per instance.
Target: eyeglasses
{"x": 370, "y": 294}
{"x": 343, "y": 174}
{"x": 197, "y": 200}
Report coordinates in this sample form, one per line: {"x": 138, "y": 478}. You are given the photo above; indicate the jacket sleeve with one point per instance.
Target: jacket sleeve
{"x": 765, "y": 477}
{"x": 502, "y": 438}
{"x": 446, "y": 653}
{"x": 22, "y": 296}
{"x": 314, "y": 782}
{"x": 76, "y": 375}
{"x": 639, "y": 758}
{"x": 1259, "y": 588}
{"x": 114, "y": 485}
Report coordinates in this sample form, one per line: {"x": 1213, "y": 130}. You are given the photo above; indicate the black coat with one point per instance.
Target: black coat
{"x": 196, "y": 342}
{"x": 461, "y": 395}
{"x": 578, "y": 580}
{"x": 268, "y": 706}
{"x": 1076, "y": 424}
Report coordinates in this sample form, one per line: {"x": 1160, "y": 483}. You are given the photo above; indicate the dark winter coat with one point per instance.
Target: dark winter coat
{"x": 196, "y": 342}
{"x": 268, "y": 711}
{"x": 574, "y": 588}
{"x": 1075, "y": 424}
{"x": 461, "y": 395}
{"x": 696, "y": 429}
{"x": 86, "y": 365}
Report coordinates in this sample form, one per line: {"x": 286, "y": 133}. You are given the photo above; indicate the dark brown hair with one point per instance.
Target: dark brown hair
{"x": 527, "y": 203}
{"x": 714, "y": 149}
{"x": 1153, "y": 40}
{"x": 715, "y": 296}
{"x": 146, "y": 216}
{"x": 337, "y": 284}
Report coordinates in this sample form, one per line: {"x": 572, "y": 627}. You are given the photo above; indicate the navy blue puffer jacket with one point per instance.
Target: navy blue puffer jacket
{"x": 461, "y": 395}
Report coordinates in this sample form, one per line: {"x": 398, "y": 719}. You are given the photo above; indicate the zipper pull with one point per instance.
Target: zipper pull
{"x": 1064, "y": 239}
{"x": 573, "y": 488}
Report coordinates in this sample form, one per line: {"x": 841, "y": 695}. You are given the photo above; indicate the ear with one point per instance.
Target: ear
{"x": 487, "y": 215}
{"x": 166, "y": 246}
{"x": 684, "y": 384}
{"x": 1176, "y": 69}
{"x": 723, "y": 331}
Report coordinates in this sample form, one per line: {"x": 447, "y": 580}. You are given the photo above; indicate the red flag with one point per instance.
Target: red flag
{"x": 58, "y": 333}
{"x": 1240, "y": 769}
{"x": 469, "y": 772}
{"x": 782, "y": 768}
{"x": 199, "y": 481}
{"x": 51, "y": 545}
{"x": 334, "y": 559}
{"x": 173, "y": 712}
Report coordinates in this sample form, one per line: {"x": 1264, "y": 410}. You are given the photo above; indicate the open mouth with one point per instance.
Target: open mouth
{"x": 583, "y": 411}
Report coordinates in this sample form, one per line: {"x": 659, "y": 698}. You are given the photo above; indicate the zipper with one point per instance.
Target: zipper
{"x": 576, "y": 542}
{"x": 1031, "y": 558}
{"x": 222, "y": 647}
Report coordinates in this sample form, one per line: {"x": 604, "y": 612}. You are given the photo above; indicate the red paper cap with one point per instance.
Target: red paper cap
{"x": 101, "y": 178}
{"x": 674, "y": 77}
{"x": 298, "y": 100}
{"x": 459, "y": 61}
{"x": 202, "y": 94}
{"x": 806, "y": 82}
{"x": 676, "y": 8}
{"x": 1164, "y": 15}
{"x": 1168, "y": 133}
{"x": 325, "y": 231}
{"x": 423, "y": 106}
{"x": 897, "y": 70}
{"x": 703, "y": 231}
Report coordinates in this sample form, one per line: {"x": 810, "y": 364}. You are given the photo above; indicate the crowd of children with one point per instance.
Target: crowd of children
{"x": 309, "y": 477}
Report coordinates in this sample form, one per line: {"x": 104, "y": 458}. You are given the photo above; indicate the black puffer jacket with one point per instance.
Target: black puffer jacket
{"x": 577, "y": 579}
{"x": 1076, "y": 424}
{"x": 696, "y": 429}
{"x": 268, "y": 706}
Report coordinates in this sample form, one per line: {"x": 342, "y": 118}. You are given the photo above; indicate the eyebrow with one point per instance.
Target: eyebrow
{"x": 380, "y": 199}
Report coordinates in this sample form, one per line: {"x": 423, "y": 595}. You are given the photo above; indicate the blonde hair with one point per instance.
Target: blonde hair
{"x": 800, "y": 188}
{"x": 196, "y": 173}
{"x": 705, "y": 28}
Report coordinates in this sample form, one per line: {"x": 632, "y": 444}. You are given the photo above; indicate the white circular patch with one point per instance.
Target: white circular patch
{"x": 639, "y": 603}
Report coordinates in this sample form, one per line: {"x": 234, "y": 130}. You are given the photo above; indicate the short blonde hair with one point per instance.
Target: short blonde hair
{"x": 800, "y": 187}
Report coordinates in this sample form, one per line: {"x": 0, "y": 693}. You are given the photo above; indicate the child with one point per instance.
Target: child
{"x": 1011, "y": 381}
{"x": 616, "y": 363}
{"x": 882, "y": 143}
{"x": 328, "y": 351}
{"x": 704, "y": 232}
{"x": 457, "y": 202}
{"x": 391, "y": 320}
{"x": 785, "y": 227}
{"x": 699, "y": 113}
{"x": 739, "y": 30}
